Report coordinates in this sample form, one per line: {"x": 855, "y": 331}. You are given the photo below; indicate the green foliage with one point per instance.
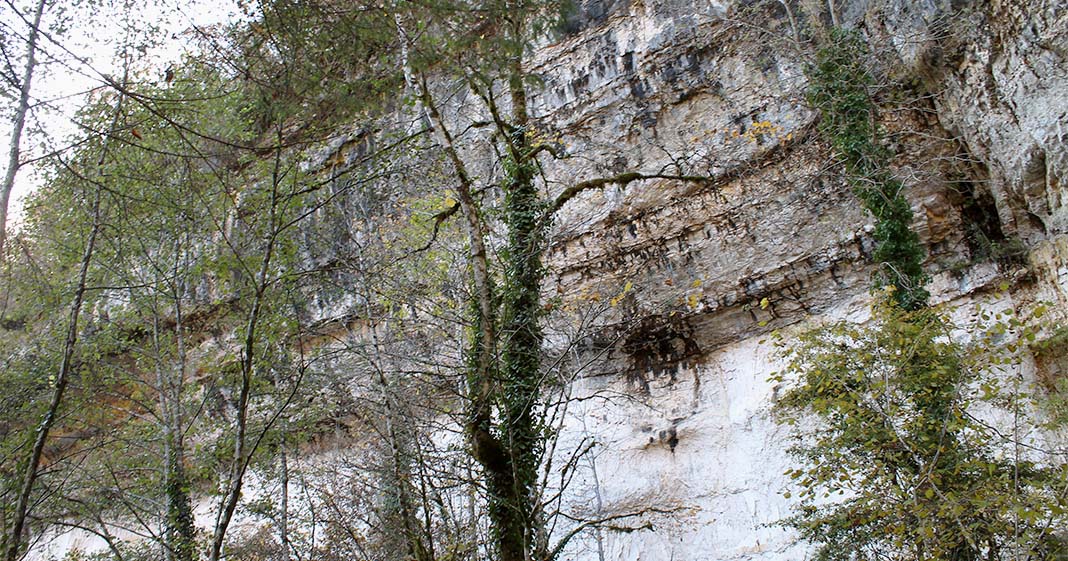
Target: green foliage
{"x": 198, "y": 198}
{"x": 1051, "y": 361}
{"x": 839, "y": 88}
{"x": 900, "y": 465}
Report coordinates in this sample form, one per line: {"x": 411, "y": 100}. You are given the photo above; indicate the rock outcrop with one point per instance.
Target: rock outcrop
{"x": 976, "y": 122}
{"x": 686, "y": 280}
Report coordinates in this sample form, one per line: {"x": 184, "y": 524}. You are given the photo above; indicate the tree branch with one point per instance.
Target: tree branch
{"x": 439, "y": 219}
{"x": 560, "y": 545}
{"x": 618, "y": 179}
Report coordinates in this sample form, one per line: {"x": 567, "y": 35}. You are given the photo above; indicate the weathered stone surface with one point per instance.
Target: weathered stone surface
{"x": 998, "y": 72}
{"x": 686, "y": 279}
{"x": 694, "y": 436}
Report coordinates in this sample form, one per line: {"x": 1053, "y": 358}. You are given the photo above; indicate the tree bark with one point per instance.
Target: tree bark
{"x": 19, "y": 124}
{"x": 235, "y": 481}
{"x": 14, "y": 538}
{"x": 179, "y": 530}
{"x": 513, "y": 507}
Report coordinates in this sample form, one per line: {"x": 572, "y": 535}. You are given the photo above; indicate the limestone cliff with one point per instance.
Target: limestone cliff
{"x": 977, "y": 123}
{"x": 687, "y": 279}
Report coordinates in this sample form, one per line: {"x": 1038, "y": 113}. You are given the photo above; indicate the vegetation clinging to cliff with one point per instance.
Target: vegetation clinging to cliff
{"x": 839, "y": 88}
{"x": 914, "y": 471}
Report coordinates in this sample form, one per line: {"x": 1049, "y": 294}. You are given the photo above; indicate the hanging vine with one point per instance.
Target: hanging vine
{"x": 840, "y": 88}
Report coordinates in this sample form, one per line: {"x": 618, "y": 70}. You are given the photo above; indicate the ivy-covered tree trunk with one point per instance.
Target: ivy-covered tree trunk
{"x": 504, "y": 421}
{"x": 497, "y": 446}
{"x": 513, "y": 506}
{"x": 179, "y": 530}
{"x": 512, "y": 453}
{"x": 180, "y": 533}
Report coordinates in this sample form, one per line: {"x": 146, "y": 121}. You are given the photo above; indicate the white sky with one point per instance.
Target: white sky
{"x": 90, "y": 47}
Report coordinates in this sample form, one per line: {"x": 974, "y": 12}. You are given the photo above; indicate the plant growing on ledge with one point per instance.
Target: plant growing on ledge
{"x": 921, "y": 476}
{"x": 918, "y": 474}
{"x": 839, "y": 88}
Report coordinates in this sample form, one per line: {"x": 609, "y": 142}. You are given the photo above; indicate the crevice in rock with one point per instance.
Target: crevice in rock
{"x": 1033, "y": 184}
{"x": 978, "y": 209}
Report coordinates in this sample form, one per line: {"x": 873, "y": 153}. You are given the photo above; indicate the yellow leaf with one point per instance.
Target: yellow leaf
{"x": 696, "y": 283}
{"x": 764, "y": 303}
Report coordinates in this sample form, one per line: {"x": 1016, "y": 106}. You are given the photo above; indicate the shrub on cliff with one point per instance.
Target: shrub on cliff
{"x": 920, "y": 472}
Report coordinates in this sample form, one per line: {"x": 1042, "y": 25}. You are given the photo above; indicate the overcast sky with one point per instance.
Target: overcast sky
{"x": 74, "y": 59}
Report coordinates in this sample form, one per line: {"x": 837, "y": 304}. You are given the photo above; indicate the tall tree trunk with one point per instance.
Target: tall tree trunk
{"x": 19, "y": 124}
{"x": 33, "y": 465}
{"x": 510, "y": 449}
{"x": 18, "y": 522}
{"x": 241, "y": 459}
{"x": 397, "y": 430}
{"x": 283, "y": 515}
{"x": 179, "y": 529}
{"x": 482, "y": 384}
{"x": 283, "y": 470}
{"x": 239, "y": 464}
{"x": 513, "y": 506}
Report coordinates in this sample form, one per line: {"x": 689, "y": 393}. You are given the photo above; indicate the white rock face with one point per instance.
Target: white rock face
{"x": 678, "y": 408}
{"x": 688, "y": 432}
{"x": 700, "y": 452}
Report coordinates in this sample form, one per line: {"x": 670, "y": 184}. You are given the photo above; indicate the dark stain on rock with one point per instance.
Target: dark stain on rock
{"x": 670, "y": 436}
{"x": 580, "y": 85}
{"x": 586, "y": 14}
{"x": 658, "y": 345}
